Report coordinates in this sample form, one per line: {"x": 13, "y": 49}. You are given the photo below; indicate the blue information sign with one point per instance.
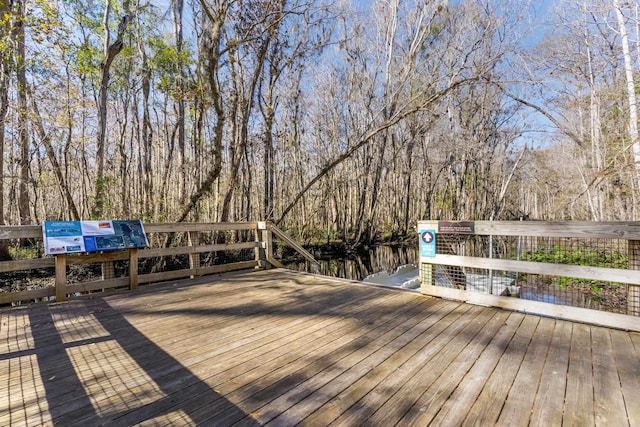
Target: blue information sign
{"x": 61, "y": 237}
{"x": 427, "y": 243}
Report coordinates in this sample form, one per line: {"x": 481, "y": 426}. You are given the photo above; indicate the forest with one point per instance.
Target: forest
{"x": 336, "y": 120}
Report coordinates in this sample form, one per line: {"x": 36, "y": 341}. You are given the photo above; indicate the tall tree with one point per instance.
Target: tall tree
{"x": 210, "y": 62}
{"x": 177, "y": 12}
{"x": 23, "y": 131}
{"x": 5, "y": 71}
{"x": 631, "y": 88}
{"x": 110, "y": 50}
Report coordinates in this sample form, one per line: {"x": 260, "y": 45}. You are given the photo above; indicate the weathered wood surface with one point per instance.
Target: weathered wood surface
{"x": 627, "y": 230}
{"x": 282, "y": 348}
{"x": 579, "y": 271}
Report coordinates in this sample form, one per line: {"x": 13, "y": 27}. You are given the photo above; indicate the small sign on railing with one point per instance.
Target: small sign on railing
{"x": 62, "y": 237}
{"x": 456, "y": 227}
{"x": 427, "y": 243}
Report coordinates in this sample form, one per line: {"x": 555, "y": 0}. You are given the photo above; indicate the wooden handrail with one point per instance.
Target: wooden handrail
{"x": 193, "y": 248}
{"x": 302, "y": 251}
{"x": 444, "y": 259}
{"x": 625, "y": 230}
{"x": 605, "y": 274}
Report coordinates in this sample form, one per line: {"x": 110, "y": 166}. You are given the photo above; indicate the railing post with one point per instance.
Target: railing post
{"x": 426, "y": 275}
{"x": 194, "y": 257}
{"x": 633, "y": 294}
{"x": 133, "y": 268}
{"x": 61, "y": 277}
{"x": 263, "y": 244}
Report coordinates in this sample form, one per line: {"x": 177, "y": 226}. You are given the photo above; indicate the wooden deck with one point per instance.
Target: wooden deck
{"x": 282, "y": 348}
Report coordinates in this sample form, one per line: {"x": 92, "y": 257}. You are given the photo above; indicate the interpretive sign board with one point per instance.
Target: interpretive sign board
{"x": 62, "y": 237}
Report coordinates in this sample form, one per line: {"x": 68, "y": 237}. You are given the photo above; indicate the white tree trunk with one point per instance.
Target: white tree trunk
{"x": 633, "y": 109}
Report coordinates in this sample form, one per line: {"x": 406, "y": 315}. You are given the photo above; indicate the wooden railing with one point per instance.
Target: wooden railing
{"x": 570, "y": 258}
{"x": 197, "y": 240}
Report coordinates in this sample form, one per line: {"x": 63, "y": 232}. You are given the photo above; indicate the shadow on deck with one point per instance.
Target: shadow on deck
{"x": 283, "y": 348}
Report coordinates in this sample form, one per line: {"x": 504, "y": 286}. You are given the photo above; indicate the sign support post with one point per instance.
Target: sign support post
{"x": 61, "y": 278}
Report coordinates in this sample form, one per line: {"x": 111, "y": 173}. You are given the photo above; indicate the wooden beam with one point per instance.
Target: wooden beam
{"x": 576, "y": 314}
{"x": 199, "y": 226}
{"x": 302, "y": 251}
{"x": 133, "y": 268}
{"x": 577, "y": 271}
{"x": 20, "y": 232}
{"x": 185, "y": 250}
{"x": 33, "y": 294}
{"x": 194, "y": 257}
{"x": 274, "y": 262}
{"x": 626, "y": 230}
{"x": 83, "y": 287}
{"x": 27, "y": 264}
{"x": 259, "y": 251}
{"x": 61, "y": 278}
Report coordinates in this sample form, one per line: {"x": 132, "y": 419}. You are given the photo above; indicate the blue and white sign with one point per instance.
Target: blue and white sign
{"x": 63, "y": 237}
{"x": 427, "y": 243}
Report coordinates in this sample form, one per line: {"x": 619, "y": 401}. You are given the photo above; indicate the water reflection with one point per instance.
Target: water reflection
{"x": 358, "y": 266}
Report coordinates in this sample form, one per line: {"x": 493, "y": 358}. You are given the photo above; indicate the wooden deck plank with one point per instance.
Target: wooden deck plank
{"x": 264, "y": 374}
{"x": 635, "y": 338}
{"x": 607, "y": 393}
{"x": 283, "y": 348}
{"x": 456, "y": 367}
{"x": 323, "y": 370}
{"x": 628, "y": 366}
{"x": 178, "y": 343}
{"x": 579, "y": 402}
{"x": 455, "y": 409}
{"x": 526, "y": 384}
{"x": 371, "y": 370}
{"x": 245, "y": 331}
{"x": 486, "y": 409}
{"x": 226, "y": 373}
{"x": 548, "y": 405}
{"x": 419, "y": 372}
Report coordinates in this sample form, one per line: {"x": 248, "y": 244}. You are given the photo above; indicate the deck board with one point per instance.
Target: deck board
{"x": 525, "y": 386}
{"x": 579, "y": 398}
{"x": 283, "y": 348}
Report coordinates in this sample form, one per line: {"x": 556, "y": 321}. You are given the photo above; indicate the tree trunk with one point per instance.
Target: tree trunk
{"x": 177, "y": 7}
{"x": 210, "y": 47}
{"x": 111, "y": 50}
{"x": 631, "y": 93}
{"x": 246, "y": 106}
{"x": 23, "y": 132}
{"x": 57, "y": 170}
{"x": 4, "y": 108}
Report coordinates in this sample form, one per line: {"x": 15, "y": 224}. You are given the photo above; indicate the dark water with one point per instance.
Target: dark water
{"x": 358, "y": 266}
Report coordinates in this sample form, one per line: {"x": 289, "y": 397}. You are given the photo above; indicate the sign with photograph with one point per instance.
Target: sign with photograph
{"x": 62, "y": 237}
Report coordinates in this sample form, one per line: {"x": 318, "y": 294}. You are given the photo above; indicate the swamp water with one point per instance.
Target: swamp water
{"x": 358, "y": 266}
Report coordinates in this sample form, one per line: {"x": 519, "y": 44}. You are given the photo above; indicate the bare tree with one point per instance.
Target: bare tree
{"x": 214, "y": 18}
{"x": 18, "y": 36}
{"x": 110, "y": 50}
{"x": 631, "y": 88}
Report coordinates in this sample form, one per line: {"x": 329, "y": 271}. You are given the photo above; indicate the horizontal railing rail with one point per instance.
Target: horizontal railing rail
{"x": 194, "y": 253}
{"x": 582, "y": 271}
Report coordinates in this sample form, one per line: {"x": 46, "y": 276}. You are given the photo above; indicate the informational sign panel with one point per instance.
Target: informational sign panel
{"x": 62, "y": 237}
{"x": 455, "y": 227}
{"x": 427, "y": 243}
